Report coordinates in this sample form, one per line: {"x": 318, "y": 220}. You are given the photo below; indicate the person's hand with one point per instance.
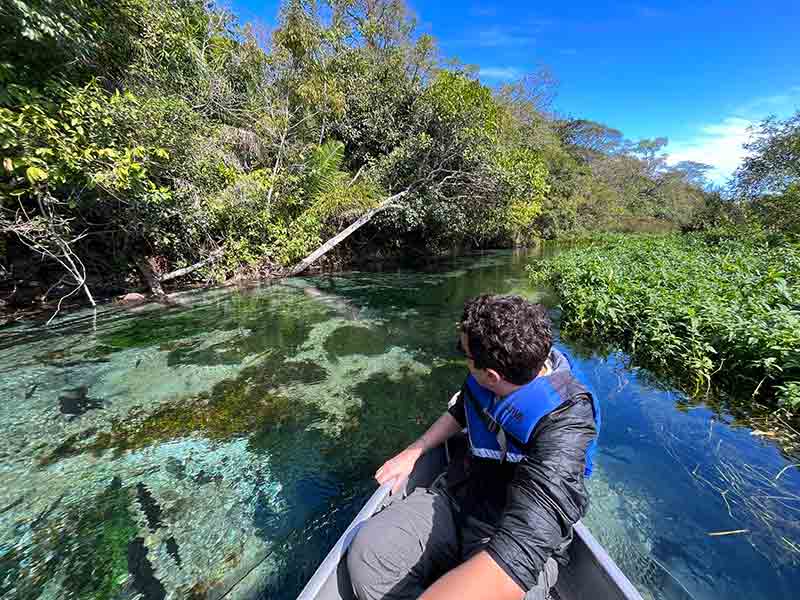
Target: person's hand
{"x": 398, "y": 467}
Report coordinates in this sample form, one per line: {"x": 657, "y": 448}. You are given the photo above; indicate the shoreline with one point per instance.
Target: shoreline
{"x": 40, "y": 313}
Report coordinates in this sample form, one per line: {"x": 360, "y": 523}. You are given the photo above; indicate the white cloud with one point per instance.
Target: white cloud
{"x": 500, "y": 73}
{"x": 720, "y": 145}
{"x": 784, "y": 103}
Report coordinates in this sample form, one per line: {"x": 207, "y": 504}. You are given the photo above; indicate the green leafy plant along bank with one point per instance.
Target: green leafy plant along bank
{"x": 711, "y": 312}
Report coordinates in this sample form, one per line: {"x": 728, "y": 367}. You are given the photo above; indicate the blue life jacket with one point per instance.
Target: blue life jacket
{"x": 510, "y": 421}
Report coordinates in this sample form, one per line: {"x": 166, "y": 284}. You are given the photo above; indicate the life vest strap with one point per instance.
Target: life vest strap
{"x": 492, "y": 425}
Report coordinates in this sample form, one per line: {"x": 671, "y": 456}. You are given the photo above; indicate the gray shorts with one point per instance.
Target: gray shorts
{"x": 412, "y": 542}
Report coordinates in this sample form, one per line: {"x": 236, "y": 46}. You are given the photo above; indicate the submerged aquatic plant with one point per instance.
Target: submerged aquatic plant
{"x": 231, "y": 408}
{"x": 89, "y": 546}
{"x": 98, "y": 568}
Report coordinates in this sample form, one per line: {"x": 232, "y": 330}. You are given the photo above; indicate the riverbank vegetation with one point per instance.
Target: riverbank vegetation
{"x": 146, "y": 136}
{"x": 717, "y": 307}
{"x": 711, "y": 310}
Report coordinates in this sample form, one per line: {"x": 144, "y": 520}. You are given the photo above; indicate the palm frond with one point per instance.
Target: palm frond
{"x": 325, "y": 164}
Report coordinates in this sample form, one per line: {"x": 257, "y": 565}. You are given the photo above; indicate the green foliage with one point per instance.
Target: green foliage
{"x": 167, "y": 130}
{"x": 464, "y": 106}
{"x": 524, "y": 174}
{"x": 780, "y": 213}
{"x": 332, "y": 194}
{"x": 773, "y": 161}
{"x": 308, "y": 207}
{"x": 76, "y": 139}
{"x": 722, "y": 311}
{"x": 75, "y": 40}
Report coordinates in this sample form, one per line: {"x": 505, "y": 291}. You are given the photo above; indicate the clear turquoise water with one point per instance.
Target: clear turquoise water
{"x": 171, "y": 451}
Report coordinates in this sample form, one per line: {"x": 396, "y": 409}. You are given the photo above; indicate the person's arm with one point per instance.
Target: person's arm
{"x": 399, "y": 467}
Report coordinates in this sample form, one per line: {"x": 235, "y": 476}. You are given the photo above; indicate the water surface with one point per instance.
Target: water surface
{"x": 225, "y": 443}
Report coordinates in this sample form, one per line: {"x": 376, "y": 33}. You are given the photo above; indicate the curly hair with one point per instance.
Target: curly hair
{"x": 508, "y": 334}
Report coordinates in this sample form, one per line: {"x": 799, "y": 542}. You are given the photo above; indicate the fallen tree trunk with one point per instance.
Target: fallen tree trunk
{"x": 215, "y": 255}
{"x": 342, "y": 235}
{"x": 154, "y": 280}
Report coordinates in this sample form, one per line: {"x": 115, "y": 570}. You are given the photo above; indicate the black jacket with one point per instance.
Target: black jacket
{"x": 534, "y": 503}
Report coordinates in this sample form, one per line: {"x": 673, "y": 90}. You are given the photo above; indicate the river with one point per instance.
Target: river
{"x": 225, "y": 442}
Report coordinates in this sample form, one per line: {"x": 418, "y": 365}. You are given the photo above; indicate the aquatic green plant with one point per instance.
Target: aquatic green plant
{"x": 352, "y": 339}
{"x": 395, "y": 409}
{"x": 88, "y": 545}
{"x": 233, "y": 407}
{"x": 712, "y": 312}
{"x": 96, "y": 560}
{"x": 264, "y": 320}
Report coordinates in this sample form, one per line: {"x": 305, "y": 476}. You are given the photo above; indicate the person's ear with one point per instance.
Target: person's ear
{"x": 493, "y": 377}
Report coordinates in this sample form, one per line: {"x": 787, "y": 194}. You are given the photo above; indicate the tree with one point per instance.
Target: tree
{"x": 693, "y": 173}
{"x": 588, "y": 138}
{"x": 149, "y": 132}
{"x": 378, "y": 24}
{"x": 773, "y": 160}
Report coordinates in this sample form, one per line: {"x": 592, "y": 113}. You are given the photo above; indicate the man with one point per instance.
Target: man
{"x": 502, "y": 518}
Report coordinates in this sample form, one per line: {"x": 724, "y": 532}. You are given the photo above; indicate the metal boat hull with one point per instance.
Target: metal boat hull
{"x": 590, "y": 574}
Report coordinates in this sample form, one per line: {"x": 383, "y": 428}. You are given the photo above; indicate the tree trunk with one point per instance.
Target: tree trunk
{"x": 342, "y": 235}
{"x": 150, "y": 276}
{"x": 215, "y": 255}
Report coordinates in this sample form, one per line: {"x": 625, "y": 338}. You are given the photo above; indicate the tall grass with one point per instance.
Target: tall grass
{"x": 722, "y": 312}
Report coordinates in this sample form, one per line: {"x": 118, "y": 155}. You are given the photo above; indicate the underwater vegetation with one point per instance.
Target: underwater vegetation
{"x": 233, "y": 407}
{"x": 91, "y": 549}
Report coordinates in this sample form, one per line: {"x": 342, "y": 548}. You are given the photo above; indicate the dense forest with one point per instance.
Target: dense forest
{"x": 146, "y": 136}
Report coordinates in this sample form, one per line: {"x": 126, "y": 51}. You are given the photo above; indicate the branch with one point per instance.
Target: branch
{"x": 214, "y": 256}
{"x": 334, "y": 241}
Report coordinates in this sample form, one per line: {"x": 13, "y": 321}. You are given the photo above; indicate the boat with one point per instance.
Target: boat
{"x": 590, "y": 574}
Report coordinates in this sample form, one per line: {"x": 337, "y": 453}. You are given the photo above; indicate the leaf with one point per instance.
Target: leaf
{"x": 35, "y": 174}
{"x": 8, "y": 165}
{"x": 325, "y": 162}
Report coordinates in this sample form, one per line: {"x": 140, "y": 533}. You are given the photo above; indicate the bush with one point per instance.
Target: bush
{"x": 725, "y": 311}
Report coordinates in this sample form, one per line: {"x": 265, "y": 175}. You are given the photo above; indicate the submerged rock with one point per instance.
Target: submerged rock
{"x": 76, "y": 402}
{"x": 133, "y": 298}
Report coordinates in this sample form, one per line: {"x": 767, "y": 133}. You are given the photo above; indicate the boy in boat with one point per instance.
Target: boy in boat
{"x": 500, "y": 521}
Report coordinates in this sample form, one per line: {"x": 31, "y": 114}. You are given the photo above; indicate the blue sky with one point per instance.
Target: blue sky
{"x": 698, "y": 72}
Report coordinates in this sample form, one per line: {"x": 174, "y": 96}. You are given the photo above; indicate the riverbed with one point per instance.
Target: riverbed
{"x": 222, "y": 444}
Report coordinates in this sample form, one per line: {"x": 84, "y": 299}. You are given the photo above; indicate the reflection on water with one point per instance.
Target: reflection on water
{"x": 226, "y": 443}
